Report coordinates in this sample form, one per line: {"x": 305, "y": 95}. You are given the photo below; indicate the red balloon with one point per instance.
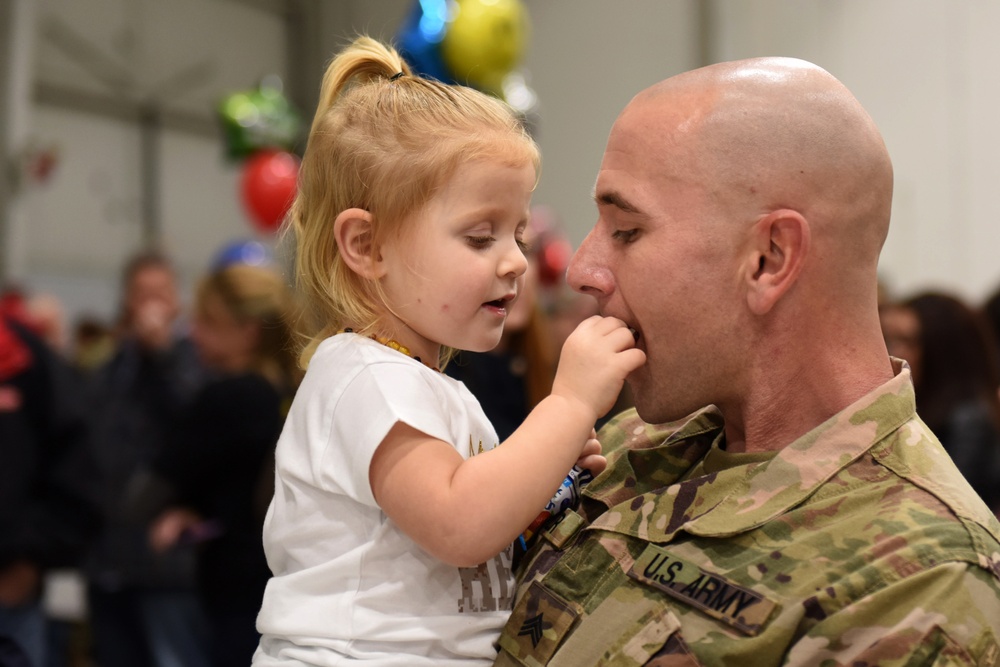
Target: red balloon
{"x": 555, "y": 255}
{"x": 268, "y": 187}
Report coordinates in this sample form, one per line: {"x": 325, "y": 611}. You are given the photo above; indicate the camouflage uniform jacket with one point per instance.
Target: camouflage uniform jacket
{"x": 858, "y": 544}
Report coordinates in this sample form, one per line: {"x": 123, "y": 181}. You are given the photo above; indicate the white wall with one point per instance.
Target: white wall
{"x": 588, "y": 58}
{"x": 17, "y": 40}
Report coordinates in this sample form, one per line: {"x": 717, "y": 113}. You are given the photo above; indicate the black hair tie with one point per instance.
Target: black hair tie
{"x": 396, "y": 76}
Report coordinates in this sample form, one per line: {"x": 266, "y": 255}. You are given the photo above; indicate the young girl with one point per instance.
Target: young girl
{"x": 394, "y": 510}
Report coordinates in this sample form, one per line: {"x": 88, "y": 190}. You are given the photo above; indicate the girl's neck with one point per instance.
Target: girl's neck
{"x": 402, "y": 338}
{"x": 391, "y": 328}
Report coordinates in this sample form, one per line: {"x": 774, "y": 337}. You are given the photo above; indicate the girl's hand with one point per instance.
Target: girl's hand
{"x": 595, "y": 360}
{"x": 591, "y": 458}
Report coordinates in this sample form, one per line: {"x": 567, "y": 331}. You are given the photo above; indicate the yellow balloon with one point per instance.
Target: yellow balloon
{"x": 485, "y": 41}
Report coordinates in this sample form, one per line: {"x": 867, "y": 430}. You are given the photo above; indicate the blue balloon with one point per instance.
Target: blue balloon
{"x": 419, "y": 40}
{"x": 253, "y": 253}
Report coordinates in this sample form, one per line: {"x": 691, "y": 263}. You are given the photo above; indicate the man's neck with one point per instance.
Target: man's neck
{"x": 785, "y": 405}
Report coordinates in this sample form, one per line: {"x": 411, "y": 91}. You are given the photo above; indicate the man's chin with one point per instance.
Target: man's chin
{"x": 647, "y": 414}
{"x": 652, "y": 408}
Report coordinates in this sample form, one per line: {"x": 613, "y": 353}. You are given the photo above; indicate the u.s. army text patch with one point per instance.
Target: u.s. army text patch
{"x": 742, "y": 608}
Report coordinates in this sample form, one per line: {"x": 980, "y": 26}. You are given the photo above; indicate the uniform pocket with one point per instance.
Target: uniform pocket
{"x": 626, "y": 630}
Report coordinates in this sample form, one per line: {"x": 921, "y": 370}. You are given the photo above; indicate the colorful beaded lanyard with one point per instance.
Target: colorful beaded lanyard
{"x": 390, "y": 343}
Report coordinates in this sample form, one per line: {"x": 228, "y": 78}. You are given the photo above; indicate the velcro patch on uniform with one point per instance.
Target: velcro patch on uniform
{"x": 566, "y": 527}
{"x": 737, "y": 606}
{"x": 538, "y": 625}
{"x": 989, "y": 655}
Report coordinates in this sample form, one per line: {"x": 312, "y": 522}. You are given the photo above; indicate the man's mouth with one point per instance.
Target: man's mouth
{"x": 631, "y": 328}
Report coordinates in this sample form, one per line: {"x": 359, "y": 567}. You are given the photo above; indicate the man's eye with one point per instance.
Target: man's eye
{"x": 479, "y": 241}
{"x": 624, "y": 235}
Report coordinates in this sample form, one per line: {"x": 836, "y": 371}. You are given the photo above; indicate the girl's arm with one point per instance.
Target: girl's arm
{"x": 465, "y": 511}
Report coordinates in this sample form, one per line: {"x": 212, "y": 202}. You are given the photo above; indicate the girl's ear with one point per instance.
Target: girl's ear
{"x": 354, "y": 234}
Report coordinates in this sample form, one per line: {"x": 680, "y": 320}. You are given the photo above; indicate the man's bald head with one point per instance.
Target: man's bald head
{"x": 770, "y": 133}
{"x": 741, "y": 211}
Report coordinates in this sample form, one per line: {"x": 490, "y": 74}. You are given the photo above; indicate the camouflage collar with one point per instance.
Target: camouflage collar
{"x": 650, "y": 472}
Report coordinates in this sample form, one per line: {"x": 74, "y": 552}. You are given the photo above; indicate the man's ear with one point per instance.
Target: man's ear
{"x": 778, "y": 249}
{"x": 353, "y": 232}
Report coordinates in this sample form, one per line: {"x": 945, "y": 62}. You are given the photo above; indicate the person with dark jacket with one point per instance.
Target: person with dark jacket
{"x": 48, "y": 482}
{"x": 143, "y": 607}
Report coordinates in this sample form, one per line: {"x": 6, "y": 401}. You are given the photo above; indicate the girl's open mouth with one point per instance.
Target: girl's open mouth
{"x": 500, "y": 305}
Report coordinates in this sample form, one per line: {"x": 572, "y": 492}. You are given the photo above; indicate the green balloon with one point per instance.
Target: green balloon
{"x": 258, "y": 119}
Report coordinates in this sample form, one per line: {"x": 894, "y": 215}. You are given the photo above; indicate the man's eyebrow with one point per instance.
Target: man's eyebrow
{"x": 615, "y": 199}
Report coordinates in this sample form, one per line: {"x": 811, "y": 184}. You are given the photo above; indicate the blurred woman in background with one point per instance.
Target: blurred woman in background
{"x": 953, "y": 361}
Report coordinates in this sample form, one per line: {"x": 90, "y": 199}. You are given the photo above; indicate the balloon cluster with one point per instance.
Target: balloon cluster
{"x": 261, "y": 129}
{"x": 478, "y": 43}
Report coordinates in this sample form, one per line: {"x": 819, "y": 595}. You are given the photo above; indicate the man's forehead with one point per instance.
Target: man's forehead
{"x": 620, "y": 180}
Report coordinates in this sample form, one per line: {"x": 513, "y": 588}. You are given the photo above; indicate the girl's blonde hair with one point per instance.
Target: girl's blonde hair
{"x": 383, "y": 141}
{"x": 259, "y": 295}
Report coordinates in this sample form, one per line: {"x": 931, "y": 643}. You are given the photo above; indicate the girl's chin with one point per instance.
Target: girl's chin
{"x": 481, "y": 345}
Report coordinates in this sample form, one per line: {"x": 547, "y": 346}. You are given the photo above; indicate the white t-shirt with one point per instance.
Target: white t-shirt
{"x": 347, "y": 584}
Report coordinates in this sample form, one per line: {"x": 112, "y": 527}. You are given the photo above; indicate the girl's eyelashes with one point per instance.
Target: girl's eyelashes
{"x": 480, "y": 241}
{"x": 483, "y": 241}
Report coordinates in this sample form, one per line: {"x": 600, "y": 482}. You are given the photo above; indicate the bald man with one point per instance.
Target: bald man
{"x": 774, "y": 498}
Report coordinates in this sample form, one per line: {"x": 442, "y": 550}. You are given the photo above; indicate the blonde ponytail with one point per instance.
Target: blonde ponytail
{"x": 363, "y": 61}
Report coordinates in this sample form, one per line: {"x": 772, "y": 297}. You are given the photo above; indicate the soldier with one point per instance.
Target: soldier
{"x": 807, "y": 516}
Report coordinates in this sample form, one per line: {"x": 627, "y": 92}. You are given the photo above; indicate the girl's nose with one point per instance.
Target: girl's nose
{"x": 513, "y": 262}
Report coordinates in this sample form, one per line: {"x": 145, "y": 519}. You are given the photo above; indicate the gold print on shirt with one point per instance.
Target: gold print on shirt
{"x": 472, "y": 449}
{"x": 486, "y": 587}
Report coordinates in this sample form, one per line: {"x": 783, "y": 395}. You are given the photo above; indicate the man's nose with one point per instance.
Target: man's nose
{"x": 588, "y": 272}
